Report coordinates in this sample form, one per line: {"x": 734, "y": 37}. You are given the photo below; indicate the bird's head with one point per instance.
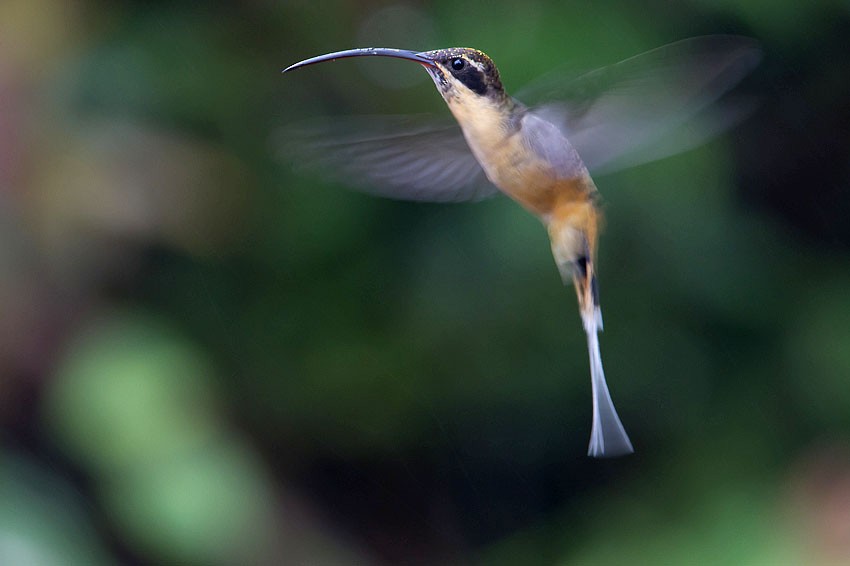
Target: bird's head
{"x": 464, "y": 72}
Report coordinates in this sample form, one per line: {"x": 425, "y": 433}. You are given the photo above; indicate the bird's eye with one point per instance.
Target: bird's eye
{"x": 458, "y": 64}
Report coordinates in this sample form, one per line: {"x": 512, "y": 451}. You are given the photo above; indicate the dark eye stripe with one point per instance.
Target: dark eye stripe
{"x": 473, "y": 79}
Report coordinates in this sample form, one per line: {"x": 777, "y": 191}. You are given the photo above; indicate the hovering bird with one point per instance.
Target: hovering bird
{"x": 540, "y": 155}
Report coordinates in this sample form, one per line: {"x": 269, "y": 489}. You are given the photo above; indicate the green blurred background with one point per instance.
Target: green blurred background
{"x": 207, "y": 357}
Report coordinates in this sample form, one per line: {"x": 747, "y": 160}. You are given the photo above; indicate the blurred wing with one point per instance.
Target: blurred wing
{"x": 649, "y": 106}
{"x": 403, "y": 157}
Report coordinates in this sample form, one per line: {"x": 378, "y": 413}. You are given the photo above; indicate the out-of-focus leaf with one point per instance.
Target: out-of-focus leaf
{"x": 131, "y": 390}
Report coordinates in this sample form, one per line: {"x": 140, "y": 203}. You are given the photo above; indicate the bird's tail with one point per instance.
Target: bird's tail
{"x": 608, "y": 438}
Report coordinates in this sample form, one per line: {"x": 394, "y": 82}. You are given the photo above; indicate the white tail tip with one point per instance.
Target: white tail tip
{"x": 608, "y": 438}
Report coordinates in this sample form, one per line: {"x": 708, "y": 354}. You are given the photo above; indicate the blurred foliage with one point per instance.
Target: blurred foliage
{"x": 207, "y": 357}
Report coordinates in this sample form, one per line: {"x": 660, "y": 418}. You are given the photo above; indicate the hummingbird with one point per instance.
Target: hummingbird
{"x": 541, "y": 155}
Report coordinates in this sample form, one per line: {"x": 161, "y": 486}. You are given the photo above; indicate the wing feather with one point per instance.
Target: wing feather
{"x": 614, "y": 116}
{"x": 403, "y": 157}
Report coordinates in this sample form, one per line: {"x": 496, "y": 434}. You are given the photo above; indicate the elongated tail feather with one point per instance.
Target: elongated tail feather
{"x": 608, "y": 438}
{"x": 573, "y": 236}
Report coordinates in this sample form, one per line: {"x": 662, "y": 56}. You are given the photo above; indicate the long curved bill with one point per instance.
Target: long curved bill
{"x": 366, "y": 52}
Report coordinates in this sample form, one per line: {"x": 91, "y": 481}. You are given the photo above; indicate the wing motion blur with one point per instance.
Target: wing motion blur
{"x": 404, "y": 157}
{"x": 644, "y": 108}
{"x": 649, "y": 106}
